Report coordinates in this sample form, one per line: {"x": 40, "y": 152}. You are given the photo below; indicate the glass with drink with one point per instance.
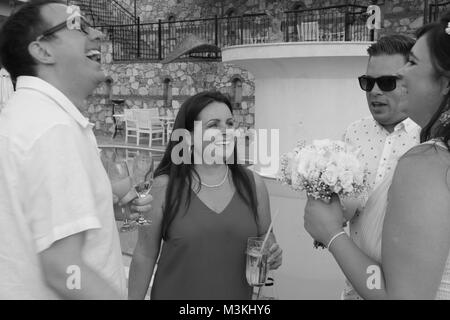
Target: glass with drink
{"x": 121, "y": 184}
{"x": 142, "y": 177}
{"x": 256, "y": 267}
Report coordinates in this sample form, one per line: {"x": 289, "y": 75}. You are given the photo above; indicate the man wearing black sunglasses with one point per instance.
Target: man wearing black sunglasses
{"x": 384, "y": 137}
{"x": 58, "y": 237}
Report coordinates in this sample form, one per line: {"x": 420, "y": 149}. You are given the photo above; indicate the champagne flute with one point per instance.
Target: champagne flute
{"x": 256, "y": 265}
{"x": 121, "y": 184}
{"x": 142, "y": 177}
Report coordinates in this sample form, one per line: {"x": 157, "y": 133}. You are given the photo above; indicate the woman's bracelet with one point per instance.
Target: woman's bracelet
{"x": 334, "y": 238}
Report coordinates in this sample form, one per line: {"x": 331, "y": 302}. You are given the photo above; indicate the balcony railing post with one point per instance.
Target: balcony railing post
{"x": 346, "y": 24}
{"x": 242, "y": 29}
{"x": 286, "y": 23}
{"x": 138, "y": 37}
{"x": 159, "y": 40}
{"x": 216, "y": 33}
{"x": 216, "y": 30}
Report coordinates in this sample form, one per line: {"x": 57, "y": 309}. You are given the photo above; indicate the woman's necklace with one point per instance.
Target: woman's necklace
{"x": 216, "y": 185}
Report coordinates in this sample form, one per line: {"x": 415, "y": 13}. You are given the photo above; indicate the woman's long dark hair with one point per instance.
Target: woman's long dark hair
{"x": 439, "y": 48}
{"x": 180, "y": 175}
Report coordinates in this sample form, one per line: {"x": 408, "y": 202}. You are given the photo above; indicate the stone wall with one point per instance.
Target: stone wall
{"x": 402, "y": 16}
{"x": 141, "y": 84}
{"x": 152, "y": 11}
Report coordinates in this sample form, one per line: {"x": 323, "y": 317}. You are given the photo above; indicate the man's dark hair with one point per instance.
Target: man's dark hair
{"x": 19, "y": 30}
{"x": 392, "y": 44}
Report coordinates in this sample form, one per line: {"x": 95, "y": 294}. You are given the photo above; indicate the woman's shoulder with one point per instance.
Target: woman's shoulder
{"x": 255, "y": 177}
{"x": 433, "y": 153}
{"x": 427, "y": 162}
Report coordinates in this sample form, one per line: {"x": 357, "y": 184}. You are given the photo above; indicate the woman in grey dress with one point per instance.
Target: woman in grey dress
{"x": 204, "y": 213}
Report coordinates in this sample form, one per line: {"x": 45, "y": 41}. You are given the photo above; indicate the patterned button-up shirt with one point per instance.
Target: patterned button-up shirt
{"x": 380, "y": 150}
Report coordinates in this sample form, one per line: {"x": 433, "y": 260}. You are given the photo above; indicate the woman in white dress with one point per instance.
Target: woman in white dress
{"x": 415, "y": 229}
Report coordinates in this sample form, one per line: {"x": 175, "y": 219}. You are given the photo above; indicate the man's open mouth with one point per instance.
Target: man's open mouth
{"x": 378, "y": 104}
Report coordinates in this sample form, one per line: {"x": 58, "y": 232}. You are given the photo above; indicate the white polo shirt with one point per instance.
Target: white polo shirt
{"x": 52, "y": 185}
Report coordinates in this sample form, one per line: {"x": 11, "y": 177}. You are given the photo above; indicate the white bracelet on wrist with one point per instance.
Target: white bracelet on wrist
{"x": 334, "y": 238}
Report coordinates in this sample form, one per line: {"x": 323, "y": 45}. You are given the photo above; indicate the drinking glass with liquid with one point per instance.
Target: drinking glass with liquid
{"x": 256, "y": 262}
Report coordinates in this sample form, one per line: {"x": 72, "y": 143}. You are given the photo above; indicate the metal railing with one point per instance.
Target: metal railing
{"x": 154, "y": 41}
{"x": 337, "y": 23}
{"x": 435, "y": 10}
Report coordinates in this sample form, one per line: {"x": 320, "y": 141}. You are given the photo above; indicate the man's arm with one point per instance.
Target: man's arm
{"x": 66, "y": 273}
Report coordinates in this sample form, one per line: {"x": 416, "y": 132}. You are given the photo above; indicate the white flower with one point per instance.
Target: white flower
{"x": 313, "y": 175}
{"x": 347, "y": 181}
{"x": 330, "y": 176}
{"x": 323, "y": 168}
{"x": 322, "y": 144}
{"x": 359, "y": 178}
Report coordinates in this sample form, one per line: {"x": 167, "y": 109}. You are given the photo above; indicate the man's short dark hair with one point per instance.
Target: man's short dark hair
{"x": 18, "y": 31}
{"x": 392, "y": 44}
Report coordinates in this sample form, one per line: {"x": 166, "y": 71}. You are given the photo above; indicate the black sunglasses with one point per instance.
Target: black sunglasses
{"x": 83, "y": 27}
{"x": 385, "y": 83}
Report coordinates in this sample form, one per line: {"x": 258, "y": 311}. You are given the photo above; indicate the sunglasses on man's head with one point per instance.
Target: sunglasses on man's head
{"x": 385, "y": 83}
{"x": 83, "y": 26}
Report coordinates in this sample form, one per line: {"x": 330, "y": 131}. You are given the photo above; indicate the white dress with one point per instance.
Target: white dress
{"x": 369, "y": 240}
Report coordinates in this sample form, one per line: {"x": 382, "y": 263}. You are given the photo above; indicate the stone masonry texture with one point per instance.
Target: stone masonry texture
{"x": 141, "y": 84}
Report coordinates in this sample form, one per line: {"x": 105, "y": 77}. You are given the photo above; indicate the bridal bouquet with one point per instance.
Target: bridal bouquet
{"x": 324, "y": 168}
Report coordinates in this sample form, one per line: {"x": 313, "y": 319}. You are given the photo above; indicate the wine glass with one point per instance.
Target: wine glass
{"x": 121, "y": 184}
{"x": 142, "y": 178}
{"x": 256, "y": 266}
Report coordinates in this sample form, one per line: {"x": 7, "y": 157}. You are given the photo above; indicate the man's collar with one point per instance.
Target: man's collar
{"x": 45, "y": 88}
{"x": 408, "y": 125}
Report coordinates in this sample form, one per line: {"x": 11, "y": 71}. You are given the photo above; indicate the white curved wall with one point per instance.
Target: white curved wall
{"x": 307, "y": 91}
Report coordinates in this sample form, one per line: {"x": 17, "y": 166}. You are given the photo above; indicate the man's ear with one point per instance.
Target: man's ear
{"x": 445, "y": 85}
{"x": 41, "y": 52}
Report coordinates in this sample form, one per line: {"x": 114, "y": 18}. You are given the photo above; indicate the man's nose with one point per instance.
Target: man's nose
{"x": 96, "y": 35}
{"x": 376, "y": 90}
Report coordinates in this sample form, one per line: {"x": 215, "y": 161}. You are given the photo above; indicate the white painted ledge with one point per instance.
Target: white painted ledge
{"x": 299, "y": 59}
{"x": 295, "y": 50}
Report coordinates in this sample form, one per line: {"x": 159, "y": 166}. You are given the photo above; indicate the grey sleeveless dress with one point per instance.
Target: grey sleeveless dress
{"x": 204, "y": 255}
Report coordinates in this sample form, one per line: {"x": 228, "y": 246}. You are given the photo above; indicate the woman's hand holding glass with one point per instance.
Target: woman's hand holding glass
{"x": 128, "y": 206}
{"x": 142, "y": 178}
{"x": 119, "y": 176}
{"x": 139, "y": 206}
{"x": 275, "y": 258}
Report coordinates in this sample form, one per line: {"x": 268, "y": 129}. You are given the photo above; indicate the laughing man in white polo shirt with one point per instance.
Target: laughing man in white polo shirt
{"x": 58, "y": 237}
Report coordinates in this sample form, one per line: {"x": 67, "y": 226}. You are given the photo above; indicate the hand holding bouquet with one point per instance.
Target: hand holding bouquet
{"x": 322, "y": 169}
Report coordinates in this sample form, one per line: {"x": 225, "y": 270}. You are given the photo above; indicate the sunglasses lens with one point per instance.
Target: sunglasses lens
{"x": 387, "y": 83}
{"x": 366, "y": 83}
